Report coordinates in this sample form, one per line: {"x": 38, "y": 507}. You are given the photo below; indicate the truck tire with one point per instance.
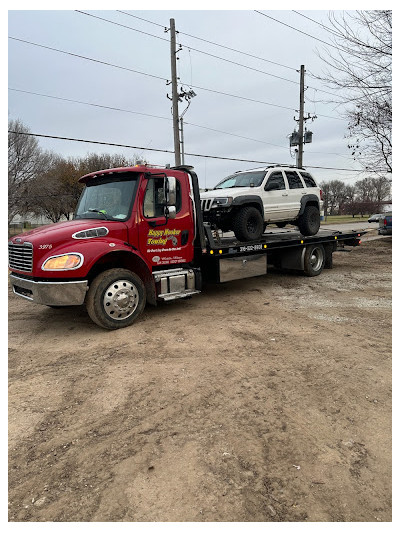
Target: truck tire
{"x": 314, "y": 259}
{"x": 248, "y": 224}
{"x": 115, "y": 299}
{"x": 309, "y": 221}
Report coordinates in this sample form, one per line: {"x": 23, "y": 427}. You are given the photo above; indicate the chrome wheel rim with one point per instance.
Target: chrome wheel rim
{"x": 121, "y": 299}
{"x": 316, "y": 258}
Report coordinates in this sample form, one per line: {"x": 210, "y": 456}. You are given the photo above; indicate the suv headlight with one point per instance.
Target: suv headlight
{"x": 222, "y": 202}
{"x": 63, "y": 262}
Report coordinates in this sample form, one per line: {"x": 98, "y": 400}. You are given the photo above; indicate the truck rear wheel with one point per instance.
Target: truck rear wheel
{"x": 309, "y": 221}
{"x": 314, "y": 259}
{"x": 116, "y": 298}
{"x": 248, "y": 224}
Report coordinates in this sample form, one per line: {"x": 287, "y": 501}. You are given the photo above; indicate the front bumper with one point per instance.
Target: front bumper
{"x": 50, "y": 293}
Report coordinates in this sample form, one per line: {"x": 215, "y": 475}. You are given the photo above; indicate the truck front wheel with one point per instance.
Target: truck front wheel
{"x": 116, "y": 297}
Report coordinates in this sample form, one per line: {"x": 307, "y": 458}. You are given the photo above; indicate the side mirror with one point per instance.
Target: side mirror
{"x": 170, "y": 211}
{"x": 170, "y": 192}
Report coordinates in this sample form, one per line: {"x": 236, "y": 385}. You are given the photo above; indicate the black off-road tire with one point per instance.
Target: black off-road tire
{"x": 115, "y": 299}
{"x": 309, "y": 222}
{"x": 314, "y": 260}
{"x": 248, "y": 224}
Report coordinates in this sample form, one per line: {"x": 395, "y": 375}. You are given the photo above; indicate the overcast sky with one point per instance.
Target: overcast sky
{"x": 118, "y": 105}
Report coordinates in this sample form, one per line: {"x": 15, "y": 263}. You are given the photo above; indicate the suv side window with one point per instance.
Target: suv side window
{"x": 154, "y": 201}
{"x": 293, "y": 179}
{"x": 308, "y": 180}
{"x": 277, "y": 179}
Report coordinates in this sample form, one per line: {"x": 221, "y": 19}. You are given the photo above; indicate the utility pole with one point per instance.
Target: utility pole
{"x": 301, "y": 119}
{"x": 175, "y": 111}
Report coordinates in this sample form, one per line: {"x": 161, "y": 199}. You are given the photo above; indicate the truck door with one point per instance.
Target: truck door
{"x": 164, "y": 240}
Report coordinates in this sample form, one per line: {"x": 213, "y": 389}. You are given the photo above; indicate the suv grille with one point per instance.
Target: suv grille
{"x": 20, "y": 256}
{"x": 206, "y": 204}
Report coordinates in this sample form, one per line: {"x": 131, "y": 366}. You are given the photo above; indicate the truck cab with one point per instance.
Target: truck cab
{"x": 133, "y": 229}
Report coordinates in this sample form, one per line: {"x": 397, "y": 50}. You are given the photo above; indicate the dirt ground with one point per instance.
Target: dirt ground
{"x": 263, "y": 400}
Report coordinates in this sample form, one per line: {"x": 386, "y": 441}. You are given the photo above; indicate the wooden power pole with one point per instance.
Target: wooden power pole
{"x": 175, "y": 111}
{"x": 301, "y": 119}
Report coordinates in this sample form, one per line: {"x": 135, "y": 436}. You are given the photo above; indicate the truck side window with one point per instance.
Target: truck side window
{"x": 277, "y": 178}
{"x": 154, "y": 201}
{"x": 308, "y": 180}
{"x": 293, "y": 180}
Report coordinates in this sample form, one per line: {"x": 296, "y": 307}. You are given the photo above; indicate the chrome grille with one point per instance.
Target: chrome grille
{"x": 20, "y": 256}
{"x": 206, "y": 204}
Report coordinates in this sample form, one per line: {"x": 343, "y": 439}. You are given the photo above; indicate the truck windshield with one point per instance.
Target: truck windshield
{"x": 244, "y": 179}
{"x": 109, "y": 198}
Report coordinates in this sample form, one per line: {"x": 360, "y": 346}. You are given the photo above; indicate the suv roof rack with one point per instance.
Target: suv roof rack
{"x": 285, "y": 165}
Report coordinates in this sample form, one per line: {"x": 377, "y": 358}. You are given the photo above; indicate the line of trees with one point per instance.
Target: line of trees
{"x": 42, "y": 183}
{"x": 46, "y": 184}
{"x": 365, "y": 197}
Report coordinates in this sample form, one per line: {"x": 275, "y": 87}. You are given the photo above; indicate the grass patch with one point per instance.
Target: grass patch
{"x": 343, "y": 219}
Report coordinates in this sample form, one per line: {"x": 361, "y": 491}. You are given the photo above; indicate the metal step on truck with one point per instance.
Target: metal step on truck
{"x": 138, "y": 237}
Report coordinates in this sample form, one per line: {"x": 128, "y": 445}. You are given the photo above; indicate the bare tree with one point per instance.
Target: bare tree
{"x": 25, "y": 161}
{"x": 360, "y": 70}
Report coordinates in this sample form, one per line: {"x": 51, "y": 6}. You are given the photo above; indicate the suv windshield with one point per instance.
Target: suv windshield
{"x": 107, "y": 197}
{"x": 244, "y": 179}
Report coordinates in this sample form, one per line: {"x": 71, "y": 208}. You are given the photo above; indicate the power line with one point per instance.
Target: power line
{"x": 86, "y": 58}
{"x": 228, "y": 48}
{"x": 300, "y": 31}
{"x": 111, "y": 108}
{"x": 149, "y": 75}
{"x": 191, "y": 48}
{"x": 211, "y": 42}
{"x": 316, "y": 22}
{"x": 79, "y": 56}
{"x": 171, "y": 151}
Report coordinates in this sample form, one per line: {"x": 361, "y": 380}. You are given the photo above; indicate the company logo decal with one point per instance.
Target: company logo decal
{"x": 160, "y": 237}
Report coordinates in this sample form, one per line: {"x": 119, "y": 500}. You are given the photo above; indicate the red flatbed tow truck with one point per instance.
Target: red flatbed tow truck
{"x": 138, "y": 237}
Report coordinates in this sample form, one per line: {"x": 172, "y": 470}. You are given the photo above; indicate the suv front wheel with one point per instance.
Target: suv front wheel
{"x": 248, "y": 224}
{"x": 309, "y": 221}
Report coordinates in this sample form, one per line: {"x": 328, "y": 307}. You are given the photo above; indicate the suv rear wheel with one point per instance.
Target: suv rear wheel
{"x": 309, "y": 221}
{"x": 248, "y": 224}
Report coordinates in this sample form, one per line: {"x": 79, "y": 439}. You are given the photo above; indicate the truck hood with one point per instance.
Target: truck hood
{"x": 61, "y": 232}
{"x": 231, "y": 191}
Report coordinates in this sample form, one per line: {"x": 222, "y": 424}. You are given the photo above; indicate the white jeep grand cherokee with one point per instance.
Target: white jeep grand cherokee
{"x": 247, "y": 201}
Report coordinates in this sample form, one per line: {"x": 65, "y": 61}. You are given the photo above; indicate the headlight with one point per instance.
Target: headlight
{"x": 63, "y": 262}
{"x": 222, "y": 202}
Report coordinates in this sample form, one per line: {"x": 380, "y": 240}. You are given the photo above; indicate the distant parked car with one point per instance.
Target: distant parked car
{"x": 385, "y": 225}
{"x": 376, "y": 218}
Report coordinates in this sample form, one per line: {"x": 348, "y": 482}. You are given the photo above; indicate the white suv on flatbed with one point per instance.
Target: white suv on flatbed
{"x": 247, "y": 201}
